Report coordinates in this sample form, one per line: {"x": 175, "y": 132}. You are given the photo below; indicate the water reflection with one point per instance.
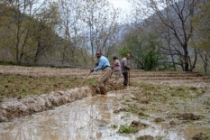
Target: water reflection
{"x": 81, "y": 120}
{"x": 89, "y": 119}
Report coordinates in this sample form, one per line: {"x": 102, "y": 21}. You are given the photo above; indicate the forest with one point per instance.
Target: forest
{"x": 159, "y": 34}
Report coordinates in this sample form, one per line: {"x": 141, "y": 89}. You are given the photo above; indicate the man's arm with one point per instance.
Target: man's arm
{"x": 100, "y": 64}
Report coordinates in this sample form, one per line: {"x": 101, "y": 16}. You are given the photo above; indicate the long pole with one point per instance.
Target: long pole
{"x": 84, "y": 79}
{"x": 129, "y": 80}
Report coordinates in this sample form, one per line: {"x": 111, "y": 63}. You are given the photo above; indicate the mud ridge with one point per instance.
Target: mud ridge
{"x": 10, "y": 110}
{"x": 19, "y": 108}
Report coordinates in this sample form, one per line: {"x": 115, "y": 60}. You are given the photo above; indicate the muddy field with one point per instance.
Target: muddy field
{"x": 175, "y": 101}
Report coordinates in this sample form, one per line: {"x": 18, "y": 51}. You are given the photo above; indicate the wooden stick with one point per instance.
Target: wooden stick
{"x": 84, "y": 79}
{"x": 129, "y": 80}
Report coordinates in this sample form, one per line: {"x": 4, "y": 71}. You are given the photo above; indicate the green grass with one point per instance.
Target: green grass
{"x": 20, "y": 86}
{"x": 127, "y": 129}
{"x": 165, "y": 92}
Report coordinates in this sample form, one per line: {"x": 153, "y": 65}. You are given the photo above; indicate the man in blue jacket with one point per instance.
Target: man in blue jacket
{"x": 104, "y": 65}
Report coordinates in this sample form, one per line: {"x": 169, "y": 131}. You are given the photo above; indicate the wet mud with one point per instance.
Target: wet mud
{"x": 23, "y": 107}
{"x": 106, "y": 117}
{"x": 156, "y": 106}
{"x": 92, "y": 118}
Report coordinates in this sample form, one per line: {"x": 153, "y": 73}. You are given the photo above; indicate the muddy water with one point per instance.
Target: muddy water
{"x": 89, "y": 119}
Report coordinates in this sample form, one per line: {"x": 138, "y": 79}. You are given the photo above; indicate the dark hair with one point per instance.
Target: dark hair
{"x": 114, "y": 57}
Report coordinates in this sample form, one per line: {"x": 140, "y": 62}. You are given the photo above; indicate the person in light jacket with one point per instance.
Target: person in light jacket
{"x": 104, "y": 65}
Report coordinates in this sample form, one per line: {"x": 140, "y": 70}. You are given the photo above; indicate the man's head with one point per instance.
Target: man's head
{"x": 98, "y": 54}
{"x": 114, "y": 58}
{"x": 128, "y": 56}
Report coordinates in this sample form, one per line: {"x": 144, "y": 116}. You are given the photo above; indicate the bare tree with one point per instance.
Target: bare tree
{"x": 172, "y": 20}
{"x": 70, "y": 28}
{"x": 100, "y": 25}
{"x": 201, "y": 32}
{"x": 24, "y": 19}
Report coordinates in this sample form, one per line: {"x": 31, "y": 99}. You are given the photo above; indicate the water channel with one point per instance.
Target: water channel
{"x": 91, "y": 118}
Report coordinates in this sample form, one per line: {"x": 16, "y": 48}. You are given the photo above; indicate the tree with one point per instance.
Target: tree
{"x": 172, "y": 20}
{"x": 5, "y": 35}
{"x": 145, "y": 50}
{"x": 29, "y": 34}
{"x": 18, "y": 26}
{"x": 201, "y": 36}
{"x": 100, "y": 24}
{"x": 41, "y": 32}
{"x": 44, "y": 31}
{"x": 70, "y": 28}
{"x": 21, "y": 25}
{"x": 201, "y": 26}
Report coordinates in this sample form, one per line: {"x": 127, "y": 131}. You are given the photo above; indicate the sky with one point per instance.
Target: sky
{"x": 123, "y": 4}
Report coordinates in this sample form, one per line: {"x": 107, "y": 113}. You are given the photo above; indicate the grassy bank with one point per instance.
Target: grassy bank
{"x": 20, "y": 86}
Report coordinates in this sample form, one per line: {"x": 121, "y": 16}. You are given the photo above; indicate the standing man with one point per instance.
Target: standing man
{"x": 125, "y": 66}
{"x": 104, "y": 65}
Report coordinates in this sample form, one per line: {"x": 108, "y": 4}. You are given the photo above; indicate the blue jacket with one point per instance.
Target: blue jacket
{"x": 103, "y": 62}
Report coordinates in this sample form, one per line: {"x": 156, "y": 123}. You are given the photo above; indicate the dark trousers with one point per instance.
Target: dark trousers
{"x": 125, "y": 76}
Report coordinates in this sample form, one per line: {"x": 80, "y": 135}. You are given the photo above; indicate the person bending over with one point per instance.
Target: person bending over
{"x": 104, "y": 65}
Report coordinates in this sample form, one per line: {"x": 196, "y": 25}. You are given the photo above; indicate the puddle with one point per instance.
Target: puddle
{"x": 91, "y": 118}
